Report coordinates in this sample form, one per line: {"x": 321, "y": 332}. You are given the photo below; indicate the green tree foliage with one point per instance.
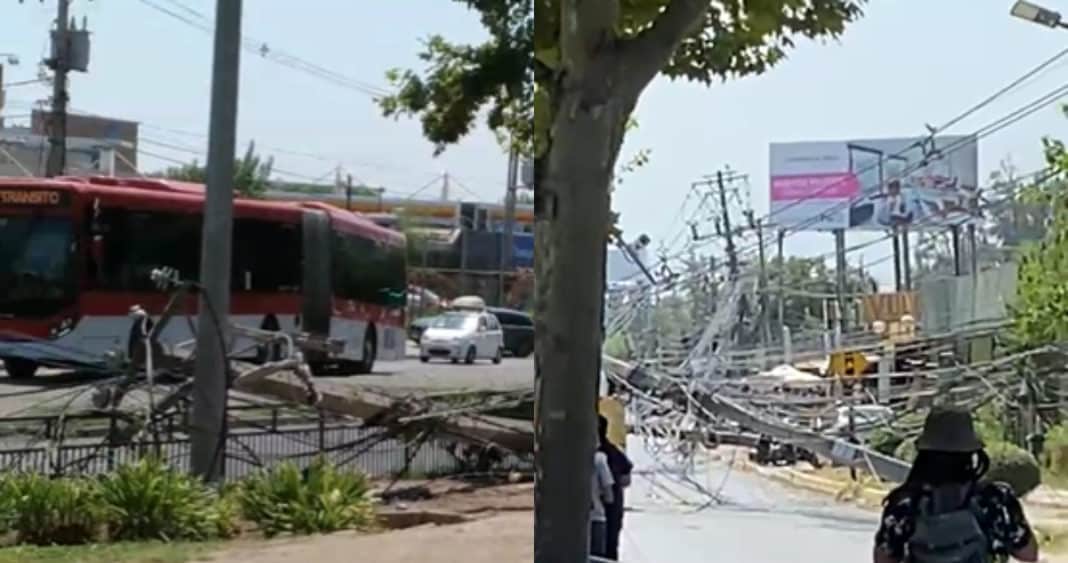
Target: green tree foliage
{"x": 808, "y": 283}
{"x": 1041, "y": 309}
{"x": 461, "y": 80}
{"x": 252, "y": 173}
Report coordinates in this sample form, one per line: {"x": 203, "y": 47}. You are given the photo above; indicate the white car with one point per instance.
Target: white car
{"x": 462, "y": 336}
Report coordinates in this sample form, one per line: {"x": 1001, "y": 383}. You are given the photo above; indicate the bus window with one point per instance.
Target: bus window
{"x": 138, "y": 242}
{"x": 368, "y": 271}
{"x": 266, "y": 257}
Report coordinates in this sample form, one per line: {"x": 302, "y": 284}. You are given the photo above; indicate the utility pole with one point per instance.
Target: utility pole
{"x": 973, "y": 256}
{"x": 60, "y": 63}
{"x": 954, "y": 232}
{"x": 211, "y": 372}
{"x": 348, "y": 192}
{"x": 906, "y": 258}
{"x": 765, "y": 314}
{"x": 840, "y": 276}
{"x": 781, "y": 237}
{"x": 732, "y": 256}
{"x": 898, "y": 282}
{"x": 1, "y": 94}
{"x": 511, "y": 185}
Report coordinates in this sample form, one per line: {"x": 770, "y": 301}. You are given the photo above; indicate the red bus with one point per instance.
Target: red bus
{"x": 76, "y": 254}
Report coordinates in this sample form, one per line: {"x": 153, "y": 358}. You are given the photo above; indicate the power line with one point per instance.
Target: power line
{"x": 198, "y": 20}
{"x": 271, "y": 148}
{"x": 1040, "y": 175}
{"x": 983, "y": 132}
{"x": 932, "y": 132}
{"x": 1041, "y": 102}
{"x": 283, "y": 172}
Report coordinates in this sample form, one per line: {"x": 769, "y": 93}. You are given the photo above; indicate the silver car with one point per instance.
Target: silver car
{"x": 465, "y": 336}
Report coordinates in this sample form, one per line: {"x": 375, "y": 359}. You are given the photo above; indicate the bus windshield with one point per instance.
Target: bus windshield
{"x": 35, "y": 260}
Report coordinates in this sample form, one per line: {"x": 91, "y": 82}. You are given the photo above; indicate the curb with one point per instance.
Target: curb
{"x": 873, "y": 496}
{"x": 857, "y": 493}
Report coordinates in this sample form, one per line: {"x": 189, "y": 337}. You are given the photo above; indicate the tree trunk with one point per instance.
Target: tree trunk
{"x": 571, "y": 234}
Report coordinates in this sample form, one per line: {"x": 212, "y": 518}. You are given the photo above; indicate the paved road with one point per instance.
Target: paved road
{"x": 759, "y": 521}
{"x": 51, "y": 390}
{"x": 411, "y": 375}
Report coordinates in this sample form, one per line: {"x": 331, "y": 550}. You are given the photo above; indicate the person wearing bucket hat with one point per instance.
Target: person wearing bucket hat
{"x": 945, "y": 511}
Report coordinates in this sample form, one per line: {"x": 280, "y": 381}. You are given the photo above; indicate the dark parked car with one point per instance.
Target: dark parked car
{"x": 518, "y": 331}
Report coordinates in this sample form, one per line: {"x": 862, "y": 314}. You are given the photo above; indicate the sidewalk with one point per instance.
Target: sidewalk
{"x": 1046, "y": 508}
{"x": 503, "y": 538}
{"x": 496, "y": 524}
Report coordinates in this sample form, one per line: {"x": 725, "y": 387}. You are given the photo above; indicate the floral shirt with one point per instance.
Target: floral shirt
{"x": 1000, "y": 515}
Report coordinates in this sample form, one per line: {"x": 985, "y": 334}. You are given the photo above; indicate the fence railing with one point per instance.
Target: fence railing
{"x": 251, "y": 445}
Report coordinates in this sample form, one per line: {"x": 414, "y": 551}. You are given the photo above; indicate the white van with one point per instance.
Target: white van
{"x": 466, "y": 335}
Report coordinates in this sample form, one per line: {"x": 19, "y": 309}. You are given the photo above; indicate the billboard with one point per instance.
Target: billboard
{"x": 874, "y": 185}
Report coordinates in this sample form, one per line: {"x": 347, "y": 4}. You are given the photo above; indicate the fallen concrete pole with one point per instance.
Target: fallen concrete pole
{"x": 381, "y": 410}
{"x": 840, "y": 451}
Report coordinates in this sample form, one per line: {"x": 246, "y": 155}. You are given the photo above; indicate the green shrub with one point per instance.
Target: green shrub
{"x": 1055, "y": 451}
{"x": 885, "y": 440}
{"x": 8, "y": 503}
{"x": 56, "y": 511}
{"x": 1014, "y": 466}
{"x": 228, "y": 513}
{"x": 906, "y": 450}
{"x": 148, "y": 500}
{"x": 989, "y": 423}
{"x": 286, "y": 500}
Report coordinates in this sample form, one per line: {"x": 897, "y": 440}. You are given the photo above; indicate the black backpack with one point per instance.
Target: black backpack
{"x": 947, "y": 530}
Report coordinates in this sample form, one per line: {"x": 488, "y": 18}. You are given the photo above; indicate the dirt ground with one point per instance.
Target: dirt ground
{"x": 500, "y": 530}
{"x": 503, "y": 538}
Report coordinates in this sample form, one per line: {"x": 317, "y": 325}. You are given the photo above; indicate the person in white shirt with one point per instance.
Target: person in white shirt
{"x": 601, "y": 493}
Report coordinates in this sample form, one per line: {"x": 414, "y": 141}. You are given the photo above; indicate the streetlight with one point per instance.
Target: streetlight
{"x": 11, "y": 58}
{"x": 1036, "y": 14}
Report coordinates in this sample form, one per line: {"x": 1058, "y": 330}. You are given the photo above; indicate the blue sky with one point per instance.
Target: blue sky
{"x": 149, "y": 67}
{"x": 907, "y": 63}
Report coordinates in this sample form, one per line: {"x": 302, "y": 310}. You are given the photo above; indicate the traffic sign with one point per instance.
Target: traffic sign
{"x": 848, "y": 364}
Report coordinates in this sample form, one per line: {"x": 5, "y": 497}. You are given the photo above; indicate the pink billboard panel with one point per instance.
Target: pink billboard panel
{"x": 874, "y": 184}
{"x": 835, "y": 185}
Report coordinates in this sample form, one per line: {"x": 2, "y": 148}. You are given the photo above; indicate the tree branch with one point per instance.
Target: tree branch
{"x": 645, "y": 55}
{"x": 586, "y": 26}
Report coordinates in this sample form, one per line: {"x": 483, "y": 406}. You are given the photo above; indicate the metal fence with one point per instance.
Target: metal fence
{"x": 250, "y": 446}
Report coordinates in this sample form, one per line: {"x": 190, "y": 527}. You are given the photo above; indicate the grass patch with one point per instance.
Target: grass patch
{"x": 149, "y": 552}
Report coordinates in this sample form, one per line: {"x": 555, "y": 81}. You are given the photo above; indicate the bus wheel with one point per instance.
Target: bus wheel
{"x": 366, "y": 364}
{"x": 18, "y": 368}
